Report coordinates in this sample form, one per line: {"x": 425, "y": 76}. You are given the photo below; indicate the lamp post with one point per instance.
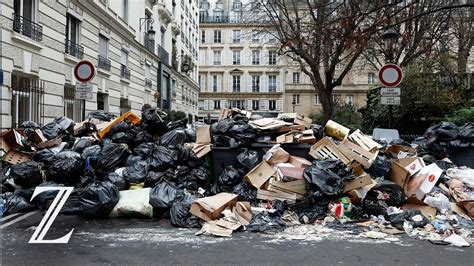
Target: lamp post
{"x": 151, "y": 32}
{"x": 390, "y": 37}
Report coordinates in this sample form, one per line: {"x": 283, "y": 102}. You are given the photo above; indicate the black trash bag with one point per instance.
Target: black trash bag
{"x": 81, "y": 144}
{"x": 153, "y": 178}
{"x": 181, "y": 217}
{"x": 117, "y": 181}
{"x": 382, "y": 196}
{"x": 162, "y": 158}
{"x": 68, "y": 155}
{"x": 243, "y": 133}
{"x": 398, "y": 219}
{"x": 173, "y": 138}
{"x": 132, "y": 160}
{"x": 51, "y": 130}
{"x": 328, "y": 176}
{"x": 245, "y": 191}
{"x": 28, "y": 127}
{"x": 318, "y": 131}
{"x": 145, "y": 150}
{"x": 25, "y": 193}
{"x": 223, "y": 126}
{"x": 221, "y": 140}
{"x": 467, "y": 132}
{"x": 15, "y": 204}
{"x": 143, "y": 136}
{"x": 177, "y": 124}
{"x": 45, "y": 156}
{"x": 428, "y": 159}
{"x": 266, "y": 222}
{"x": 64, "y": 122}
{"x": 98, "y": 199}
{"x": 380, "y": 167}
{"x": 92, "y": 152}
{"x": 248, "y": 158}
{"x": 41, "y": 200}
{"x": 27, "y": 174}
{"x": 65, "y": 171}
{"x": 431, "y": 148}
{"x": 228, "y": 179}
{"x": 191, "y": 134}
{"x": 153, "y": 119}
{"x": 309, "y": 213}
{"x": 279, "y": 206}
{"x": 123, "y": 126}
{"x": 186, "y": 154}
{"x": 201, "y": 174}
{"x": 442, "y": 132}
{"x": 136, "y": 173}
{"x": 163, "y": 195}
{"x": 112, "y": 156}
{"x": 123, "y": 137}
{"x": 101, "y": 115}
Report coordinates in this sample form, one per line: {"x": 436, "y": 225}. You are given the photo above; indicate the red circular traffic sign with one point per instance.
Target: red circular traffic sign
{"x": 390, "y": 75}
{"x": 84, "y": 71}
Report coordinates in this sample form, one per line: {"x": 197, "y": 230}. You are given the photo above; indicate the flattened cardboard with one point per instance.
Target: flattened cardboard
{"x": 201, "y": 149}
{"x": 38, "y": 136}
{"x": 399, "y": 174}
{"x": 358, "y": 182}
{"x": 210, "y": 208}
{"x": 260, "y": 174}
{"x": 457, "y": 209}
{"x": 243, "y": 211}
{"x": 276, "y": 155}
{"x": 272, "y": 195}
{"x": 212, "y": 228}
{"x": 299, "y": 162}
{"x": 396, "y": 149}
{"x": 292, "y": 187}
{"x": 49, "y": 143}
{"x": 424, "y": 209}
{"x": 11, "y": 139}
{"x": 15, "y": 157}
{"x": 291, "y": 173}
{"x": 285, "y": 138}
{"x": 203, "y": 135}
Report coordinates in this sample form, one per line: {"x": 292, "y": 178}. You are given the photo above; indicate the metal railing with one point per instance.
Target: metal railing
{"x": 149, "y": 43}
{"x": 27, "y": 27}
{"x": 104, "y": 63}
{"x": 27, "y": 104}
{"x": 74, "y": 49}
{"x": 125, "y": 72}
{"x": 148, "y": 83}
{"x": 163, "y": 55}
{"x": 272, "y": 88}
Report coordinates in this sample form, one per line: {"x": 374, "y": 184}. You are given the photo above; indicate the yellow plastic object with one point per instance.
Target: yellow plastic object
{"x": 131, "y": 117}
{"x": 134, "y": 186}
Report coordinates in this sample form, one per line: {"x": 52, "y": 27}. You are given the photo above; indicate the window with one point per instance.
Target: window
{"x": 217, "y": 104}
{"x": 255, "y": 57}
{"x": 236, "y": 57}
{"x": 72, "y": 37}
{"x": 26, "y": 100}
{"x": 73, "y": 108}
{"x": 124, "y": 106}
{"x": 201, "y": 104}
{"x": 217, "y": 58}
{"x": 272, "y": 57}
{"x": 236, "y": 83}
{"x": 255, "y": 83}
{"x": 215, "y": 83}
{"x": 102, "y": 101}
{"x": 202, "y": 81}
{"x": 217, "y": 36}
{"x": 296, "y": 77}
{"x": 255, "y": 36}
{"x": 125, "y": 10}
{"x": 349, "y": 99}
{"x": 335, "y": 98}
{"x": 236, "y": 36}
{"x": 272, "y": 37}
{"x": 371, "y": 78}
{"x": 124, "y": 58}
{"x": 203, "y": 36}
{"x": 316, "y": 100}
{"x": 296, "y": 99}
{"x": 255, "y": 105}
{"x": 239, "y": 104}
{"x": 272, "y": 83}
{"x": 103, "y": 46}
{"x": 272, "y": 105}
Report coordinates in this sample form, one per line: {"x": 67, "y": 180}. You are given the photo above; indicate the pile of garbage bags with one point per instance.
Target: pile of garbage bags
{"x": 150, "y": 167}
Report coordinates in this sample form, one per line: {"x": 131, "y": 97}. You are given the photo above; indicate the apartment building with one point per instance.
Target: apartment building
{"x": 42, "y": 41}
{"x": 238, "y": 66}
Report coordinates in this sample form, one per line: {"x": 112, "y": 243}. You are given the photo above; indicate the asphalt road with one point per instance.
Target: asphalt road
{"x": 145, "y": 242}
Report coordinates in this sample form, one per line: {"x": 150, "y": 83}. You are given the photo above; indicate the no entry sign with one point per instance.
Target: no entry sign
{"x": 390, "y": 75}
{"x": 84, "y": 71}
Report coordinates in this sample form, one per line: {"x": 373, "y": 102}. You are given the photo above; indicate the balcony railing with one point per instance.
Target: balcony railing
{"x": 104, "y": 63}
{"x": 74, "y": 49}
{"x": 27, "y": 27}
{"x": 149, "y": 43}
{"x": 272, "y": 88}
{"x": 148, "y": 83}
{"x": 163, "y": 55}
{"x": 125, "y": 72}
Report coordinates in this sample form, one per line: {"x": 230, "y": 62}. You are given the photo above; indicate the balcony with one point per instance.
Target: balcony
{"x": 74, "y": 49}
{"x": 27, "y": 28}
{"x": 125, "y": 72}
{"x": 104, "y": 63}
{"x": 163, "y": 55}
{"x": 149, "y": 43}
{"x": 214, "y": 19}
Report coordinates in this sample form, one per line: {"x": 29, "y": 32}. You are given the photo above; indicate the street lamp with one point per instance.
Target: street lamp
{"x": 151, "y": 32}
{"x": 390, "y": 37}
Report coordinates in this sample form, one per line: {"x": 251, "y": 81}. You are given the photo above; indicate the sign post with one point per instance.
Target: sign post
{"x": 390, "y": 75}
{"x": 84, "y": 71}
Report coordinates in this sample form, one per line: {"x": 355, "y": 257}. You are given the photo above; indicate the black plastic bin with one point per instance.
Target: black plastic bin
{"x": 222, "y": 157}
{"x": 462, "y": 155}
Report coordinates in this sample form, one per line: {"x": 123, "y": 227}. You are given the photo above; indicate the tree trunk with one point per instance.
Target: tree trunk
{"x": 325, "y": 98}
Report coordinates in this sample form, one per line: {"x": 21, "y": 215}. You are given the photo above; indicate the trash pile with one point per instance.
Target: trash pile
{"x": 150, "y": 167}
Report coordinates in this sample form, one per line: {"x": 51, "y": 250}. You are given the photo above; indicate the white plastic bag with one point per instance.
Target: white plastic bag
{"x": 133, "y": 203}
{"x": 438, "y": 201}
{"x": 464, "y": 174}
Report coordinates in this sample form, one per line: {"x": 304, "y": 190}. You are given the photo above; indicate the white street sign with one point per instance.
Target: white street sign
{"x": 83, "y": 95}
{"x": 390, "y": 92}
{"x": 390, "y": 100}
{"x": 84, "y": 91}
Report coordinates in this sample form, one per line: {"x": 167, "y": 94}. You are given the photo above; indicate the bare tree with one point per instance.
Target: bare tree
{"x": 319, "y": 34}
{"x": 462, "y": 24}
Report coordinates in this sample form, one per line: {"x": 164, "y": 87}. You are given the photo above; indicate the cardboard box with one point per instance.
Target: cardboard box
{"x": 400, "y": 151}
{"x": 15, "y": 157}
{"x": 299, "y": 162}
{"x": 11, "y": 139}
{"x": 424, "y": 181}
{"x": 201, "y": 149}
{"x": 276, "y": 155}
{"x": 358, "y": 182}
{"x": 412, "y": 164}
{"x": 285, "y": 138}
{"x": 260, "y": 174}
{"x": 424, "y": 209}
{"x": 203, "y": 134}
{"x": 210, "y": 208}
{"x": 243, "y": 212}
{"x": 49, "y": 143}
{"x": 307, "y": 136}
{"x": 356, "y": 195}
{"x": 292, "y": 187}
{"x": 38, "y": 136}
{"x": 290, "y": 173}
{"x": 400, "y": 173}
{"x": 273, "y": 195}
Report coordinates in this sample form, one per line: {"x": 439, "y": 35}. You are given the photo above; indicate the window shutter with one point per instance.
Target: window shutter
{"x": 279, "y": 105}
{"x": 211, "y": 105}
{"x": 249, "y": 105}
{"x": 278, "y": 83}
{"x": 223, "y": 104}
{"x": 264, "y": 83}
{"x": 261, "y": 104}
{"x": 206, "y": 105}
